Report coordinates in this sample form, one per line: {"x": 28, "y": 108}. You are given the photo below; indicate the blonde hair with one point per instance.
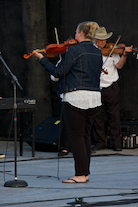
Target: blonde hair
{"x": 88, "y": 28}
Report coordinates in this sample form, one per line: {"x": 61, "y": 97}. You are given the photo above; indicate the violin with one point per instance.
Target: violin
{"x": 118, "y": 49}
{"x": 54, "y": 50}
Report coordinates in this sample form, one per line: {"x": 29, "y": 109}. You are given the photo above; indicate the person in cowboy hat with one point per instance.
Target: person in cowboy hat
{"x": 110, "y": 95}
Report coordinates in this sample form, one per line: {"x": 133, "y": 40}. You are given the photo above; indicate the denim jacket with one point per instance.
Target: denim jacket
{"x": 79, "y": 69}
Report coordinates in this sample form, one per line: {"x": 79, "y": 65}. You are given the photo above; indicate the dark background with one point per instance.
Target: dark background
{"x": 26, "y": 25}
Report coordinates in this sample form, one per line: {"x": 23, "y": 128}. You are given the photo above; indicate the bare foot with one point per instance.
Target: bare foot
{"x": 64, "y": 151}
{"x": 76, "y": 179}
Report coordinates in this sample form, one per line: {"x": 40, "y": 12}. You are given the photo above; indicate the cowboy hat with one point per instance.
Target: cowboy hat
{"x": 101, "y": 34}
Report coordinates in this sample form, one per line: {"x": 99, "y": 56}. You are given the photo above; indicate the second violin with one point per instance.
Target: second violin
{"x": 117, "y": 50}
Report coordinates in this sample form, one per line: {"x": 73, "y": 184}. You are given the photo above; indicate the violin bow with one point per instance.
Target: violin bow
{"x": 112, "y": 49}
{"x": 57, "y": 39}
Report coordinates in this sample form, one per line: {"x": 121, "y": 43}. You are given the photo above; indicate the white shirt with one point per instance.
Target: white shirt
{"x": 109, "y": 66}
{"x": 83, "y": 99}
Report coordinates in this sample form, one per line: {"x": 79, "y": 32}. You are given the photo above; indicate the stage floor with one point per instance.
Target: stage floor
{"x": 113, "y": 180}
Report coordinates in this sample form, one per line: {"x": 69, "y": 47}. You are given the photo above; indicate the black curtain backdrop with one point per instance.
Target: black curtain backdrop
{"x": 118, "y": 16}
{"x": 27, "y": 25}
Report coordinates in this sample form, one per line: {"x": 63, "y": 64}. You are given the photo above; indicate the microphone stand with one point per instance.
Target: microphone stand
{"x": 15, "y": 182}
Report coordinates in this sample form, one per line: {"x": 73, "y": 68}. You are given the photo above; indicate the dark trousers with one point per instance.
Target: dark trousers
{"x": 110, "y": 103}
{"x": 79, "y": 124}
{"x": 65, "y": 141}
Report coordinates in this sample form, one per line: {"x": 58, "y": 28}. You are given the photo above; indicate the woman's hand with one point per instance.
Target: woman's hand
{"x": 37, "y": 54}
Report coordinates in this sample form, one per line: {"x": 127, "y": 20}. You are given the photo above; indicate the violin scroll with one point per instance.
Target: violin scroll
{"x": 27, "y": 56}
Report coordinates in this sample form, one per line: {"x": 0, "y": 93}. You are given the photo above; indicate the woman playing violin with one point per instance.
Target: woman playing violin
{"x": 79, "y": 81}
{"x": 110, "y": 94}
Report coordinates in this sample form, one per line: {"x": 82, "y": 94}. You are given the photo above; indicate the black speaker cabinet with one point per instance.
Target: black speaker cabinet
{"x": 47, "y": 134}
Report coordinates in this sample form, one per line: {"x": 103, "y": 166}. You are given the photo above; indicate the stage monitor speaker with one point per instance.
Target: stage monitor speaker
{"x": 47, "y": 134}
{"x": 48, "y": 131}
